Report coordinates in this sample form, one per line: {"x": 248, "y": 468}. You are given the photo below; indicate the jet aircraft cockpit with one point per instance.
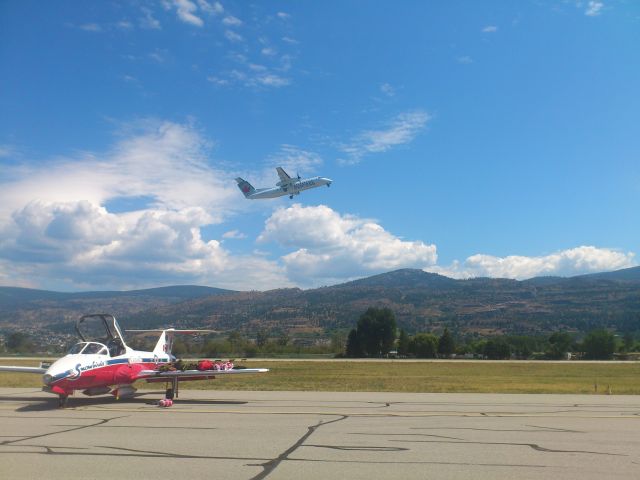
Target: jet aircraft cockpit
{"x": 89, "y": 348}
{"x": 101, "y": 330}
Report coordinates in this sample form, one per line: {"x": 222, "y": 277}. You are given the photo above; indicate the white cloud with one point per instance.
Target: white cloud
{"x": 465, "y": 60}
{"x": 575, "y": 261}
{"x": 331, "y": 247}
{"x": 283, "y": 15}
{"x": 268, "y": 51}
{"x": 56, "y": 224}
{"x": 401, "y": 130}
{"x": 594, "y": 8}
{"x": 214, "y": 8}
{"x": 231, "y": 21}
{"x": 387, "y": 89}
{"x": 90, "y": 27}
{"x": 290, "y": 40}
{"x": 490, "y": 29}
{"x": 294, "y": 159}
{"x": 148, "y": 21}
{"x": 272, "y": 80}
{"x": 234, "y": 234}
{"x": 186, "y": 12}
{"x": 7, "y": 150}
{"x": 163, "y": 161}
{"x": 233, "y": 36}
{"x": 218, "y": 81}
{"x": 124, "y": 25}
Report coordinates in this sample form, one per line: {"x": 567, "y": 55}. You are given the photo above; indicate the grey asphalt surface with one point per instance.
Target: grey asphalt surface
{"x": 320, "y": 435}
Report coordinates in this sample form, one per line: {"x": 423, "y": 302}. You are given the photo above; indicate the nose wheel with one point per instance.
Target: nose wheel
{"x": 62, "y": 400}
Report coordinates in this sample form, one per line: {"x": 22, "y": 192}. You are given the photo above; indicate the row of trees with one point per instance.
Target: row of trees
{"x": 375, "y": 336}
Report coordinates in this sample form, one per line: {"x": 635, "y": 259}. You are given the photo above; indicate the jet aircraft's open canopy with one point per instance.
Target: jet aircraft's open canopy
{"x": 88, "y": 348}
{"x": 102, "y": 328}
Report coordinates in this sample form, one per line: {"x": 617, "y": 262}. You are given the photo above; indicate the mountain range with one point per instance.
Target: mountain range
{"x": 421, "y": 301}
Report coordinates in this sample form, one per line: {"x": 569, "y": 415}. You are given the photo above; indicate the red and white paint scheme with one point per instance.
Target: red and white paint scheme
{"x": 103, "y": 363}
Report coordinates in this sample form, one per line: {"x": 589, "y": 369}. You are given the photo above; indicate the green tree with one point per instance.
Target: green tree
{"x": 446, "y": 344}
{"x": 338, "y": 340}
{"x": 627, "y": 342}
{"x": 497, "y": 348}
{"x": 19, "y": 342}
{"x": 354, "y": 347}
{"x": 559, "y": 344}
{"x": 284, "y": 339}
{"x": 424, "y": 345}
{"x": 262, "y": 337}
{"x": 377, "y": 331}
{"x": 236, "y": 341}
{"x": 403, "y": 343}
{"x": 599, "y": 345}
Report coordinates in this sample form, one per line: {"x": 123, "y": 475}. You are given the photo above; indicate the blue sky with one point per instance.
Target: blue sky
{"x": 466, "y": 138}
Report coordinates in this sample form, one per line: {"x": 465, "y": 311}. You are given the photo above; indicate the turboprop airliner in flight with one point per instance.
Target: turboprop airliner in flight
{"x": 103, "y": 363}
{"x": 286, "y": 186}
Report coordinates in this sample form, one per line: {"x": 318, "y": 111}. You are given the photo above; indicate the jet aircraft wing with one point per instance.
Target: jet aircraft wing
{"x": 179, "y": 374}
{"x": 7, "y": 368}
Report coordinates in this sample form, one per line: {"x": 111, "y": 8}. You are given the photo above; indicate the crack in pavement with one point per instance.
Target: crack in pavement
{"x": 534, "y": 446}
{"x": 101, "y": 421}
{"x": 405, "y": 434}
{"x": 82, "y": 451}
{"x": 545, "y": 429}
{"x": 359, "y": 448}
{"x": 271, "y": 465}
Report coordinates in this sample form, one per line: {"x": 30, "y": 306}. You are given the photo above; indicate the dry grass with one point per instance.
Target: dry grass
{"x": 398, "y": 376}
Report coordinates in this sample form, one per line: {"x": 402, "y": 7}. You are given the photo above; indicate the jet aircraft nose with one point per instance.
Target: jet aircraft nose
{"x": 47, "y": 379}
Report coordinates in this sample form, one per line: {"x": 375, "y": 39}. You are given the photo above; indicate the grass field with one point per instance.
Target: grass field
{"x": 399, "y": 376}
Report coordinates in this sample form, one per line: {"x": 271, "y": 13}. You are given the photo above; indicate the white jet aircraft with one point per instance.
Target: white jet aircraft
{"x": 286, "y": 186}
{"x": 103, "y": 363}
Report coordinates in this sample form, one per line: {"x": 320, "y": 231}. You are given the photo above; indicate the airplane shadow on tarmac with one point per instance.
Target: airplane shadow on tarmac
{"x": 39, "y": 404}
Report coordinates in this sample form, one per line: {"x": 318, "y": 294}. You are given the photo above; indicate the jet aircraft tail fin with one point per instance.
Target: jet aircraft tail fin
{"x": 245, "y": 187}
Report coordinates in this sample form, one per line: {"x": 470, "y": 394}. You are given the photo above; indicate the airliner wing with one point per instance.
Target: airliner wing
{"x": 7, "y": 368}
{"x": 285, "y": 179}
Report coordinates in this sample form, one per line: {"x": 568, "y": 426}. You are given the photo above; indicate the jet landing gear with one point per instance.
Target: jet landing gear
{"x": 62, "y": 400}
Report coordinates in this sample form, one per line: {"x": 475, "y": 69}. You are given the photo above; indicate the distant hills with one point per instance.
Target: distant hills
{"x": 421, "y": 301}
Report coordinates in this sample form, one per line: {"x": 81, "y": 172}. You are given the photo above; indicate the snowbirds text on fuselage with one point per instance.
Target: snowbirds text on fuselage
{"x": 286, "y": 186}
{"x": 103, "y": 363}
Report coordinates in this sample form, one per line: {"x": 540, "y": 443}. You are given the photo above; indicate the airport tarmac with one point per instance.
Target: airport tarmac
{"x": 320, "y": 435}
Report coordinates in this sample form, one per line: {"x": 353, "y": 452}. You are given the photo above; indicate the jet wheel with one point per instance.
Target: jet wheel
{"x": 169, "y": 394}
{"x": 62, "y": 401}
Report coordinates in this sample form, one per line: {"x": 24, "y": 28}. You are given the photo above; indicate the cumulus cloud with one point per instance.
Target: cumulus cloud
{"x": 574, "y": 261}
{"x": 165, "y": 161}
{"x": 63, "y": 222}
{"x": 330, "y": 247}
{"x": 594, "y": 8}
{"x": 400, "y": 130}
